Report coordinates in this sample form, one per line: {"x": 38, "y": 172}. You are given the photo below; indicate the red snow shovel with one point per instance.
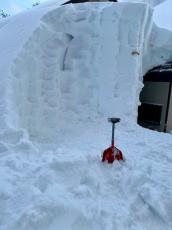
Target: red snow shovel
{"x": 112, "y": 153}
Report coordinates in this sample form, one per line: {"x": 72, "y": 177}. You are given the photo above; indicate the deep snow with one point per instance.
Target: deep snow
{"x": 64, "y": 70}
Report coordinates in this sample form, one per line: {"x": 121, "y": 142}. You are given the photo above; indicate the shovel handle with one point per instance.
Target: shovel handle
{"x": 114, "y": 120}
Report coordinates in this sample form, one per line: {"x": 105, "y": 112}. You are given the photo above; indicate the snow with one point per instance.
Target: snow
{"x": 64, "y": 70}
{"x": 159, "y": 48}
{"x": 68, "y": 48}
{"x": 163, "y": 16}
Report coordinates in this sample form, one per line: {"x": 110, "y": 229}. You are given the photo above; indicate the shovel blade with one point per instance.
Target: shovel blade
{"x": 111, "y": 154}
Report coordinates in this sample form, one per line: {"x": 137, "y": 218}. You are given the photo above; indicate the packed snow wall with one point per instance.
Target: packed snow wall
{"x": 82, "y": 62}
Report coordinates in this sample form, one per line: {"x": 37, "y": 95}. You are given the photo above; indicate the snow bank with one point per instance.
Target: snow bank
{"x": 76, "y": 60}
{"x": 159, "y": 48}
{"x": 63, "y": 71}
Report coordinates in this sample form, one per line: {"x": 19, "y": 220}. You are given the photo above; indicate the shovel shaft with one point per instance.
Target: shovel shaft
{"x": 113, "y": 120}
{"x": 113, "y": 133}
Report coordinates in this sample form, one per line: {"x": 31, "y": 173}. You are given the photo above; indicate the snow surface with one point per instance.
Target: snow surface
{"x": 163, "y": 15}
{"x": 159, "y": 48}
{"x": 64, "y": 70}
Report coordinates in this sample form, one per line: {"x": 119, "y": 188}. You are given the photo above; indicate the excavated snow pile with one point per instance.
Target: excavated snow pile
{"x": 64, "y": 71}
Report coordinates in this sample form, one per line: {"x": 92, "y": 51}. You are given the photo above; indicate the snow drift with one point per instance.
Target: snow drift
{"x": 63, "y": 71}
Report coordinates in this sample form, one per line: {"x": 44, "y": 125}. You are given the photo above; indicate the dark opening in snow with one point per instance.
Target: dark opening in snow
{"x": 155, "y": 111}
